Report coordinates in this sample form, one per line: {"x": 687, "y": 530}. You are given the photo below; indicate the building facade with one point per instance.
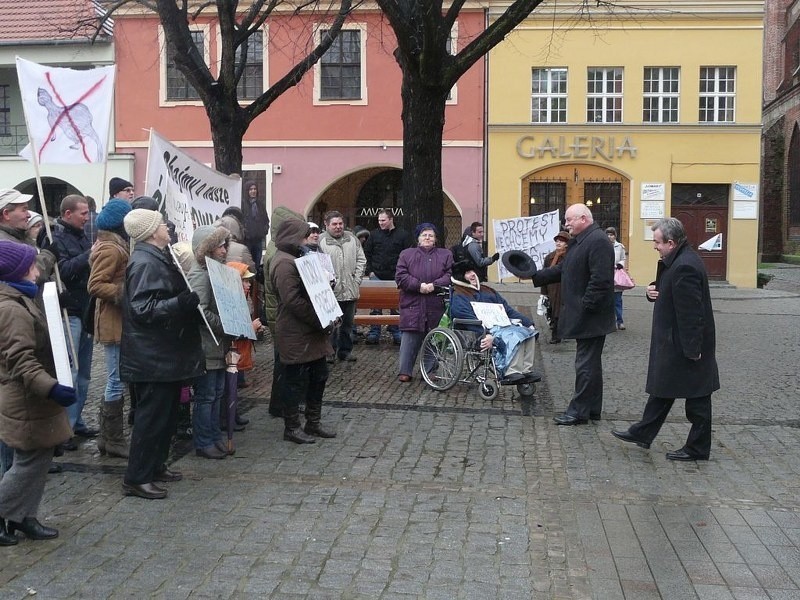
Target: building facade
{"x": 332, "y": 142}
{"x": 54, "y": 33}
{"x": 639, "y": 111}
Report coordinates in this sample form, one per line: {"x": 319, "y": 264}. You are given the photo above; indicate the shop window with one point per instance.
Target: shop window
{"x": 661, "y": 87}
{"x": 794, "y": 186}
{"x": 604, "y": 199}
{"x": 251, "y": 84}
{"x": 604, "y": 95}
{"x": 178, "y": 87}
{"x": 341, "y": 68}
{"x": 549, "y": 95}
{"x": 547, "y": 196}
{"x": 717, "y": 94}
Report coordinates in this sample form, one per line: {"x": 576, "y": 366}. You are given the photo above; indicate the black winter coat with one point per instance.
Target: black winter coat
{"x": 382, "y": 250}
{"x": 72, "y": 247}
{"x": 683, "y": 329}
{"x": 586, "y": 274}
{"x": 160, "y": 341}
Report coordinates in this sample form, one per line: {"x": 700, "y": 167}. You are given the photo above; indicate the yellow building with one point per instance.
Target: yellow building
{"x": 652, "y": 110}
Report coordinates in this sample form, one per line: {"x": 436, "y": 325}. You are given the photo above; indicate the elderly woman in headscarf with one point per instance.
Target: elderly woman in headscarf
{"x": 419, "y": 271}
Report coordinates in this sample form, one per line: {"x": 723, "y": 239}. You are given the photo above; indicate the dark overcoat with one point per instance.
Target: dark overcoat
{"x": 422, "y": 312}
{"x": 586, "y": 274}
{"x": 683, "y": 329}
{"x": 160, "y": 340}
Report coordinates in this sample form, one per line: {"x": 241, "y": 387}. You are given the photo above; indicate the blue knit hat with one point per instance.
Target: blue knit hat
{"x": 423, "y": 226}
{"x": 113, "y": 214}
{"x": 15, "y": 260}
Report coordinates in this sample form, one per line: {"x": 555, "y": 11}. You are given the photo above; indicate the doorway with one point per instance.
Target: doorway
{"x": 703, "y": 210}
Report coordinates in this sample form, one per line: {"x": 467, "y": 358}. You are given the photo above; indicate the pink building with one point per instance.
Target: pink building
{"x": 332, "y": 142}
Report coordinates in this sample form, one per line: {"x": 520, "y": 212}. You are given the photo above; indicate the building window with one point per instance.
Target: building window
{"x": 5, "y": 111}
{"x": 661, "y": 93}
{"x": 251, "y": 84}
{"x": 340, "y": 72}
{"x": 604, "y": 100}
{"x": 547, "y": 196}
{"x": 549, "y": 95}
{"x": 178, "y": 87}
{"x": 717, "y": 94}
{"x": 604, "y": 200}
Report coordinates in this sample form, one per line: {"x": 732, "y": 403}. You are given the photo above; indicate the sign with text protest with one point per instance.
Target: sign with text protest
{"x": 231, "y": 303}
{"x": 533, "y": 235}
{"x": 318, "y": 288}
{"x": 184, "y": 186}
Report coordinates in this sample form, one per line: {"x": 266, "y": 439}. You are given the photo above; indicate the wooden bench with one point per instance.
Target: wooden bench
{"x": 377, "y": 294}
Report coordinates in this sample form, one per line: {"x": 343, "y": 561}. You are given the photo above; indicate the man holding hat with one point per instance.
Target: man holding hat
{"x": 121, "y": 189}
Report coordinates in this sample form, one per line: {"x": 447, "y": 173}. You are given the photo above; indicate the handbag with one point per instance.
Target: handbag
{"x": 622, "y": 280}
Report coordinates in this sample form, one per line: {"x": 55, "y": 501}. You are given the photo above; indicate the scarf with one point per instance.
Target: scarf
{"x": 25, "y": 287}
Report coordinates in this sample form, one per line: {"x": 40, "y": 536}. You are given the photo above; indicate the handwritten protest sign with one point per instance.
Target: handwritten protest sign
{"x": 204, "y": 192}
{"x": 533, "y": 235}
{"x": 491, "y": 314}
{"x": 231, "y": 303}
{"x": 58, "y": 339}
{"x": 318, "y": 288}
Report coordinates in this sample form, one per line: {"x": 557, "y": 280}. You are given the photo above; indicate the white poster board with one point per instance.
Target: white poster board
{"x": 533, "y": 235}
{"x": 653, "y": 191}
{"x": 491, "y": 314}
{"x": 713, "y": 243}
{"x": 318, "y": 288}
{"x": 745, "y": 210}
{"x": 58, "y": 340}
{"x": 206, "y": 192}
{"x": 745, "y": 192}
{"x": 231, "y": 303}
{"x": 651, "y": 209}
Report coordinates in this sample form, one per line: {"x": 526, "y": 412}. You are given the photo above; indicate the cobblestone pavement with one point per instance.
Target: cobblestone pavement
{"x": 441, "y": 495}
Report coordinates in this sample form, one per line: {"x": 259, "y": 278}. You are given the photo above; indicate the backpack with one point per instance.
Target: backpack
{"x": 460, "y": 254}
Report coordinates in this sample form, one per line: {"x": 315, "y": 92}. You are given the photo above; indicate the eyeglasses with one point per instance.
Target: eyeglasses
{"x": 127, "y": 189}
{"x": 427, "y": 235}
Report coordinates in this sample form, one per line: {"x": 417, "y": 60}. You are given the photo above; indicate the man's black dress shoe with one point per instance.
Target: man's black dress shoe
{"x": 87, "y": 432}
{"x": 32, "y": 529}
{"x": 626, "y": 436}
{"x": 684, "y": 456}
{"x": 6, "y": 538}
{"x": 566, "y": 419}
{"x": 54, "y": 468}
{"x": 144, "y": 490}
{"x": 165, "y": 475}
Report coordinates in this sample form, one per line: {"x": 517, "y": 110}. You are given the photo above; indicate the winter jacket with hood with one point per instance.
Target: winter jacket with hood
{"x": 29, "y": 419}
{"x": 279, "y": 215}
{"x": 237, "y": 251}
{"x": 349, "y": 263}
{"x": 204, "y": 240}
{"x": 108, "y": 260}
{"x": 298, "y": 334}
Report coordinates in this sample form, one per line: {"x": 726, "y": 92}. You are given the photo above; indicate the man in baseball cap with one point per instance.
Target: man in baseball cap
{"x": 12, "y": 196}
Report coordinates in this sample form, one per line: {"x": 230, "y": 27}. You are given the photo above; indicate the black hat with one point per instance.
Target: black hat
{"x": 563, "y": 235}
{"x": 117, "y": 184}
{"x": 519, "y": 263}
{"x": 146, "y": 202}
{"x": 460, "y": 268}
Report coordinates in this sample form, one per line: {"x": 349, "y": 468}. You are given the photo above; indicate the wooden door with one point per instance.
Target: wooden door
{"x": 701, "y": 224}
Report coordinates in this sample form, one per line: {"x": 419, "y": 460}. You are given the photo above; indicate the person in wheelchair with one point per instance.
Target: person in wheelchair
{"x": 513, "y": 345}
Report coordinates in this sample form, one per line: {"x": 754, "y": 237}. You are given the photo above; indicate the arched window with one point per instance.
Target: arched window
{"x": 793, "y": 166}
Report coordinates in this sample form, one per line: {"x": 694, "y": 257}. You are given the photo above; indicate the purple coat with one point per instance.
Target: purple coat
{"x": 422, "y": 312}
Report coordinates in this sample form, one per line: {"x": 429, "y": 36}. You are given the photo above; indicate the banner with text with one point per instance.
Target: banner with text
{"x": 189, "y": 193}
{"x": 318, "y": 288}
{"x": 533, "y": 235}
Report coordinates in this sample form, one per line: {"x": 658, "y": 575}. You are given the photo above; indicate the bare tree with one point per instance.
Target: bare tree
{"x": 229, "y": 120}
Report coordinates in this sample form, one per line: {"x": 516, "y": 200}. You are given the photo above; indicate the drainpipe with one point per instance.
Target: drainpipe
{"x": 485, "y": 216}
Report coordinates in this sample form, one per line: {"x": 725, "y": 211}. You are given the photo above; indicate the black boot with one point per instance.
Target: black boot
{"x": 292, "y": 431}
{"x": 6, "y": 538}
{"x": 316, "y": 430}
{"x": 313, "y": 417}
{"x": 32, "y": 529}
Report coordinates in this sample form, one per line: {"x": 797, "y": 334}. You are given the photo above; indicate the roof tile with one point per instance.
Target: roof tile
{"x": 29, "y": 20}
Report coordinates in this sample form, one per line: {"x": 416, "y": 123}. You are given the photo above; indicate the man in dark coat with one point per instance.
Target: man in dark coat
{"x": 587, "y": 308}
{"x": 682, "y": 346}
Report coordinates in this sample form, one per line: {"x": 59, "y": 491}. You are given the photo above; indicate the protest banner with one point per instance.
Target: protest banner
{"x": 533, "y": 235}
{"x": 231, "y": 303}
{"x": 58, "y": 339}
{"x": 206, "y": 192}
{"x": 491, "y": 314}
{"x": 318, "y": 288}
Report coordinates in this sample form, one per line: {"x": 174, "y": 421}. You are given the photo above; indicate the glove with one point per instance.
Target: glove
{"x": 64, "y": 395}
{"x": 620, "y": 267}
{"x": 188, "y": 300}
{"x": 495, "y": 257}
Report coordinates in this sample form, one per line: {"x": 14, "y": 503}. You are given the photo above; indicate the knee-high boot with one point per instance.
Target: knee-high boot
{"x": 112, "y": 430}
{"x": 313, "y": 418}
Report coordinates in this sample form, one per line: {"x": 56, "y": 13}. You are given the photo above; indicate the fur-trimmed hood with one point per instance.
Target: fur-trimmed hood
{"x": 233, "y": 225}
{"x": 205, "y": 239}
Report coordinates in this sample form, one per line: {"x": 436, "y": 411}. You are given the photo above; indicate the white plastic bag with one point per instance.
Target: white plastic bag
{"x": 541, "y": 306}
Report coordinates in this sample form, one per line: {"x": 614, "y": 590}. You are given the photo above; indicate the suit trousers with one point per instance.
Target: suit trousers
{"x": 155, "y": 423}
{"x": 22, "y": 486}
{"x": 698, "y": 411}
{"x": 588, "y": 397}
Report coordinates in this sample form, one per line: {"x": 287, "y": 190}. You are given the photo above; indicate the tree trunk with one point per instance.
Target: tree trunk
{"x": 423, "y": 124}
{"x": 227, "y": 131}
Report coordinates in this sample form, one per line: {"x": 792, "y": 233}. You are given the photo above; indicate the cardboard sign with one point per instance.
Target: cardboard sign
{"x": 231, "y": 303}
{"x": 491, "y": 314}
{"x": 58, "y": 340}
{"x": 533, "y": 235}
{"x": 318, "y": 287}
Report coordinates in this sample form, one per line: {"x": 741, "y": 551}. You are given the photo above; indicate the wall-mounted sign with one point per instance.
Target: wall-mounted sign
{"x": 578, "y": 146}
{"x": 653, "y": 191}
{"x": 651, "y": 210}
{"x": 373, "y": 211}
{"x": 711, "y": 225}
{"x": 745, "y": 210}
{"x": 745, "y": 192}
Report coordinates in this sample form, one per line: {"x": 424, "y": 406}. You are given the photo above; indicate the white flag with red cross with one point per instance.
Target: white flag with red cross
{"x": 67, "y": 111}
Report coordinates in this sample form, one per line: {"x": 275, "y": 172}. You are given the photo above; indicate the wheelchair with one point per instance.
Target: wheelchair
{"x": 449, "y": 355}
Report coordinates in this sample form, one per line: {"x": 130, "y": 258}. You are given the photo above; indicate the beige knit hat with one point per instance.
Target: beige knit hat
{"x": 141, "y": 223}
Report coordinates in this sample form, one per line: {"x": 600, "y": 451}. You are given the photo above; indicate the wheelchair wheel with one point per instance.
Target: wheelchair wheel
{"x": 488, "y": 389}
{"x": 526, "y": 389}
{"x": 441, "y": 359}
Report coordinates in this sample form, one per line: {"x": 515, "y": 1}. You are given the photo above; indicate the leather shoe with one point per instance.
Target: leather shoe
{"x": 566, "y": 419}
{"x": 6, "y": 538}
{"x": 148, "y": 491}
{"x": 69, "y": 445}
{"x": 54, "y": 468}
{"x": 32, "y": 529}
{"x": 626, "y": 436}
{"x": 165, "y": 475}
{"x": 222, "y": 446}
{"x": 684, "y": 456}
{"x": 298, "y": 436}
{"x": 211, "y": 452}
{"x": 240, "y": 420}
{"x": 87, "y": 432}
{"x": 318, "y": 431}
{"x": 404, "y": 378}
